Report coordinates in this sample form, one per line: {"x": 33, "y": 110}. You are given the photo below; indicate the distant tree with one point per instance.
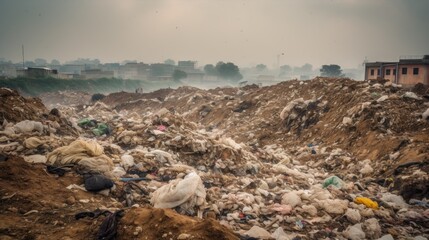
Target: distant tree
{"x": 55, "y": 62}
{"x": 170, "y": 62}
{"x": 261, "y": 67}
{"x": 128, "y": 61}
{"x": 40, "y": 62}
{"x": 285, "y": 70}
{"x": 332, "y": 70}
{"x": 228, "y": 71}
{"x": 178, "y": 75}
{"x": 29, "y": 64}
{"x": 4, "y": 60}
{"x": 210, "y": 69}
{"x": 304, "y": 69}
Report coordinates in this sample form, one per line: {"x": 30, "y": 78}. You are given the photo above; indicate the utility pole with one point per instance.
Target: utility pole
{"x": 23, "y": 61}
{"x": 278, "y": 59}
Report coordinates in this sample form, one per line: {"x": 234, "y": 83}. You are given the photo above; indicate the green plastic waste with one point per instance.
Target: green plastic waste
{"x": 334, "y": 180}
{"x": 83, "y": 122}
{"x": 86, "y": 123}
{"x": 101, "y": 129}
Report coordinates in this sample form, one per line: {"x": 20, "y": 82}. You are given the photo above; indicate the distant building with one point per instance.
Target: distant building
{"x": 111, "y": 67}
{"x": 134, "y": 71}
{"x": 195, "y": 75}
{"x": 96, "y": 74}
{"x": 161, "y": 71}
{"x": 186, "y": 65}
{"x": 408, "y": 71}
{"x": 68, "y": 76}
{"x": 72, "y": 68}
{"x": 189, "y": 67}
{"x": 37, "y": 72}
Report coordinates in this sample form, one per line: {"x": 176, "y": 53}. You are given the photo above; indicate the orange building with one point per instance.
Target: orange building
{"x": 408, "y": 71}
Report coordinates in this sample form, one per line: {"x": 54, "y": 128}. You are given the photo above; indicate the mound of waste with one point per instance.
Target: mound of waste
{"x": 319, "y": 159}
{"x": 15, "y": 108}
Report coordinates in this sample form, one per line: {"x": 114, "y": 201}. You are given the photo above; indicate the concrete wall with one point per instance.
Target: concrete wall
{"x": 391, "y": 77}
{"x": 368, "y": 73}
{"x": 410, "y": 79}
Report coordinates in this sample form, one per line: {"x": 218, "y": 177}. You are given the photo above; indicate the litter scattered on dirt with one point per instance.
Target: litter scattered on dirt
{"x": 319, "y": 159}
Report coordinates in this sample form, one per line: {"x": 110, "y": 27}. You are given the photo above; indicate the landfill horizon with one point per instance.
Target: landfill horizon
{"x": 214, "y": 120}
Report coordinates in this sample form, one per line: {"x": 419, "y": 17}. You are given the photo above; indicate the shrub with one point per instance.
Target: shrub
{"x": 97, "y": 97}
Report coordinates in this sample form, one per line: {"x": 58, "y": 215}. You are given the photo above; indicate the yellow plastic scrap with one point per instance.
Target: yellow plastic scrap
{"x": 367, "y": 202}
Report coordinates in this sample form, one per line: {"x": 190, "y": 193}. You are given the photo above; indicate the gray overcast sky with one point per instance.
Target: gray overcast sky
{"x": 246, "y": 32}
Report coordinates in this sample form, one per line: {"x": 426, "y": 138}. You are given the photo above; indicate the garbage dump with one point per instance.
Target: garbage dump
{"x": 328, "y": 158}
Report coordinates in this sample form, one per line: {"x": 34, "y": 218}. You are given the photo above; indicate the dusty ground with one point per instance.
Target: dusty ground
{"x": 15, "y": 108}
{"x": 65, "y": 98}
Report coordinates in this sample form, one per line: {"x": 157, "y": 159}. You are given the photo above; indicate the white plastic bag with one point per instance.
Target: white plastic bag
{"x": 189, "y": 191}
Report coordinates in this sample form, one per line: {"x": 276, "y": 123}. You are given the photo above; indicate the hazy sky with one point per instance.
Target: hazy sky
{"x": 245, "y": 32}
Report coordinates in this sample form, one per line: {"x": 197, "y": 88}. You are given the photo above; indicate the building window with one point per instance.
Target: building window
{"x": 394, "y": 71}
{"x": 387, "y": 72}
{"x": 415, "y": 71}
{"x": 372, "y": 72}
{"x": 404, "y": 71}
{"x": 378, "y": 72}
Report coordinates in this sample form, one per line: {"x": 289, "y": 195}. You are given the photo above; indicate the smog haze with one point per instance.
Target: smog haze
{"x": 244, "y": 32}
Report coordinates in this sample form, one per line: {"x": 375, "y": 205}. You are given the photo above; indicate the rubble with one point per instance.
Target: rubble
{"x": 319, "y": 159}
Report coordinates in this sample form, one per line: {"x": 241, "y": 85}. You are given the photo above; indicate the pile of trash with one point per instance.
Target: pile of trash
{"x": 319, "y": 159}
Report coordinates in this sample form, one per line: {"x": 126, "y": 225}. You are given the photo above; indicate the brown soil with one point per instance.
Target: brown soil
{"x": 37, "y": 205}
{"x": 15, "y": 108}
{"x": 122, "y": 97}
{"x": 26, "y": 188}
{"x": 166, "y": 223}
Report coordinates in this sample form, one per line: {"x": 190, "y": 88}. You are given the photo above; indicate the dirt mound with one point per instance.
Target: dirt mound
{"x": 420, "y": 89}
{"x": 37, "y": 205}
{"x": 123, "y": 97}
{"x": 148, "y": 223}
{"x": 15, "y": 108}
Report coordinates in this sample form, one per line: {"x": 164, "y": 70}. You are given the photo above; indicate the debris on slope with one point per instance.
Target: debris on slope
{"x": 326, "y": 158}
{"x": 15, "y": 108}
